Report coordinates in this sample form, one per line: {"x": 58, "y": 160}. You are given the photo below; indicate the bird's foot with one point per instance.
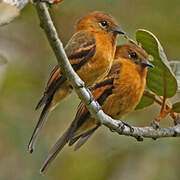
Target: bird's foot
{"x": 155, "y": 125}
{"x": 177, "y": 121}
{"x": 98, "y": 106}
{"x": 91, "y": 98}
{"x": 129, "y": 126}
{"x": 122, "y": 125}
{"x": 139, "y": 138}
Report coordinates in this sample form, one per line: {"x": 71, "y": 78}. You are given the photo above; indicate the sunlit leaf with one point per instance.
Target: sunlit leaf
{"x": 175, "y": 66}
{"x": 146, "y": 100}
{"x": 160, "y": 79}
{"x": 176, "y": 107}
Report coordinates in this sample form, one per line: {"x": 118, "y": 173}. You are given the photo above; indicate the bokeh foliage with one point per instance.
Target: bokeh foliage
{"x": 106, "y": 155}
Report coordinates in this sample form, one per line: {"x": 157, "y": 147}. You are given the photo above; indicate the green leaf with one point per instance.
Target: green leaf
{"x": 175, "y": 66}
{"x": 176, "y": 107}
{"x": 160, "y": 79}
{"x": 146, "y": 100}
{"x": 3, "y": 60}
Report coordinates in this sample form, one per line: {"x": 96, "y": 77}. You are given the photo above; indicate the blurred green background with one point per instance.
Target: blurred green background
{"x": 107, "y": 156}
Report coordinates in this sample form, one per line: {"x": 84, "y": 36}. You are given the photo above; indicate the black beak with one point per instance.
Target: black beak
{"x": 118, "y": 31}
{"x": 147, "y": 64}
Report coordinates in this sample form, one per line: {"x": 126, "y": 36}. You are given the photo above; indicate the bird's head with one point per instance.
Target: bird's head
{"x": 134, "y": 54}
{"x": 100, "y": 22}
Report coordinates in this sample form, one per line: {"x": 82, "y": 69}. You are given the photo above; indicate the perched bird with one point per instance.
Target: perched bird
{"x": 90, "y": 52}
{"x": 118, "y": 94}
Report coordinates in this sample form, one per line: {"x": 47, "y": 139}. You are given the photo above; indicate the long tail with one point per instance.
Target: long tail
{"x": 41, "y": 102}
{"x": 39, "y": 125}
{"x": 84, "y": 138}
{"x": 62, "y": 141}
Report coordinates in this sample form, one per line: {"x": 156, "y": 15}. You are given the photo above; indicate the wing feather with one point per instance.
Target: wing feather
{"x": 79, "y": 50}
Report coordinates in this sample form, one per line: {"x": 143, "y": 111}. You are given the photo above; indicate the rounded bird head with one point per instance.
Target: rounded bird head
{"x": 99, "y": 22}
{"x": 133, "y": 53}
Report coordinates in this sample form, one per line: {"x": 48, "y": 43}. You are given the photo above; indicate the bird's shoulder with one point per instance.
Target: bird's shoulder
{"x": 78, "y": 46}
{"x": 115, "y": 68}
{"x": 82, "y": 40}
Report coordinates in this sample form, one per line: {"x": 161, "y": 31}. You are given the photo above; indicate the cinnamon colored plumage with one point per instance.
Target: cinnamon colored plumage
{"x": 90, "y": 52}
{"x": 118, "y": 94}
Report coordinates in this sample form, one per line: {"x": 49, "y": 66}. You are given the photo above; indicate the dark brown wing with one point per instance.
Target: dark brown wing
{"x": 101, "y": 91}
{"x": 55, "y": 79}
{"x": 79, "y": 50}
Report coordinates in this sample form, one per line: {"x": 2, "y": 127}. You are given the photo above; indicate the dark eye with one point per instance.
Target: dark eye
{"x": 133, "y": 55}
{"x": 103, "y": 23}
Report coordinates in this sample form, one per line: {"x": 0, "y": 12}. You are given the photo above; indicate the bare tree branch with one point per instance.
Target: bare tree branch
{"x": 84, "y": 95}
{"x": 9, "y": 9}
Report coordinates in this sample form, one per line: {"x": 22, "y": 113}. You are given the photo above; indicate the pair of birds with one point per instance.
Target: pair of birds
{"x": 116, "y": 76}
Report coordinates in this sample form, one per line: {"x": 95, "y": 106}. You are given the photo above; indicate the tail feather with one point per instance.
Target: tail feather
{"x": 81, "y": 141}
{"x": 41, "y": 102}
{"x": 63, "y": 140}
{"x": 39, "y": 126}
{"x": 84, "y": 138}
{"x": 73, "y": 140}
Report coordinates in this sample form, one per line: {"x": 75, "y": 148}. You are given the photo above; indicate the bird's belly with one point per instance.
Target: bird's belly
{"x": 123, "y": 101}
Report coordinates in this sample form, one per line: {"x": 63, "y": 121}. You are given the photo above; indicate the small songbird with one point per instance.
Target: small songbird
{"x": 90, "y": 52}
{"x": 118, "y": 94}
